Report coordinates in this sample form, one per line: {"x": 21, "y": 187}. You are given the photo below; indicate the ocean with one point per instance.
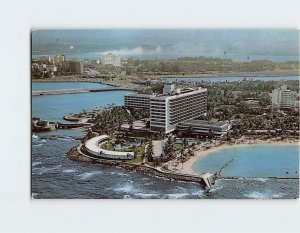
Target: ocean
{"x": 253, "y": 161}
{"x": 55, "y": 176}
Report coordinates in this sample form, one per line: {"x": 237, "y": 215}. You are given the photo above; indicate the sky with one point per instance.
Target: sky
{"x": 163, "y": 44}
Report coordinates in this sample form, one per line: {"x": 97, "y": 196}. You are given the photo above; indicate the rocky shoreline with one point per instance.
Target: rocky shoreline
{"x": 78, "y": 157}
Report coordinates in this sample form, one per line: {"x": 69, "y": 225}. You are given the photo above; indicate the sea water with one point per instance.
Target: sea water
{"x": 56, "y": 176}
{"x": 42, "y": 86}
{"x": 54, "y": 107}
{"x": 281, "y": 161}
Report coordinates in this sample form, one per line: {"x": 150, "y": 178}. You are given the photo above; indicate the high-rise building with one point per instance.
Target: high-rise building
{"x": 283, "y": 98}
{"x": 58, "y": 59}
{"x": 111, "y": 59}
{"x": 76, "y": 67}
{"x": 169, "y": 109}
{"x": 138, "y": 101}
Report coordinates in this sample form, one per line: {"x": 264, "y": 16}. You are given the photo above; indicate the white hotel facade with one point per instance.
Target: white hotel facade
{"x": 171, "y": 108}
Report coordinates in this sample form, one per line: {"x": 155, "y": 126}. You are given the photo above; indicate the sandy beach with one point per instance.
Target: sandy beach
{"x": 187, "y": 166}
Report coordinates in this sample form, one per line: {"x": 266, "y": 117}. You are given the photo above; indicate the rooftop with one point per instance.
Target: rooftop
{"x": 203, "y": 122}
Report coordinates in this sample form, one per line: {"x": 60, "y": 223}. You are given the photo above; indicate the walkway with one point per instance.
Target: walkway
{"x": 93, "y": 146}
{"x": 78, "y": 91}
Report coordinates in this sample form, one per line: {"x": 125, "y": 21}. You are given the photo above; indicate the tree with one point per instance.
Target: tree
{"x": 185, "y": 143}
{"x": 182, "y": 157}
{"x": 142, "y": 156}
{"x": 149, "y": 152}
{"x": 169, "y": 148}
{"x": 210, "y": 133}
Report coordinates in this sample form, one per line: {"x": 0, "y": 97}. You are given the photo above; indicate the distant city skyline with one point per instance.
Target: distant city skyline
{"x": 277, "y": 45}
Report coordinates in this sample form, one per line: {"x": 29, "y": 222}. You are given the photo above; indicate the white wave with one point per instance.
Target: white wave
{"x": 148, "y": 183}
{"x": 34, "y": 136}
{"x": 216, "y": 188}
{"x": 126, "y": 188}
{"x": 253, "y": 178}
{"x": 265, "y": 195}
{"x": 44, "y": 170}
{"x": 112, "y": 173}
{"x": 36, "y": 163}
{"x": 65, "y": 139}
{"x": 199, "y": 193}
{"x": 145, "y": 178}
{"x": 88, "y": 175}
{"x": 122, "y": 174}
{"x": 38, "y": 145}
{"x": 43, "y": 140}
{"x": 69, "y": 171}
{"x": 33, "y": 195}
{"x": 127, "y": 197}
{"x": 261, "y": 179}
{"x": 146, "y": 195}
{"x": 177, "y": 195}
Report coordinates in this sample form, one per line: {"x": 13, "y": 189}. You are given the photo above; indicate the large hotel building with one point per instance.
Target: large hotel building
{"x": 171, "y": 108}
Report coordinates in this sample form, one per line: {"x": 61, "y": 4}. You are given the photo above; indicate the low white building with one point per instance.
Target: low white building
{"x": 217, "y": 129}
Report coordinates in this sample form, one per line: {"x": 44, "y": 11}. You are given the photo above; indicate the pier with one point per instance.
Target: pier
{"x": 79, "y": 91}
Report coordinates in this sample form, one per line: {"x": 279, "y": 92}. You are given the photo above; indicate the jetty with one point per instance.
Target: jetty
{"x": 79, "y": 91}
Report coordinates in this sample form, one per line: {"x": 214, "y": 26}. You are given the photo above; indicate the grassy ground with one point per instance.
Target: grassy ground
{"x": 178, "y": 146}
{"x": 138, "y": 150}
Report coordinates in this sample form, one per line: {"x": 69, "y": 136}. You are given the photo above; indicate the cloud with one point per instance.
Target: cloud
{"x": 137, "y": 51}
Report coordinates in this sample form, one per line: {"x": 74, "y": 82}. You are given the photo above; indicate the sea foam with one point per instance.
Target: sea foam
{"x": 36, "y": 164}
{"x": 88, "y": 175}
{"x": 265, "y": 195}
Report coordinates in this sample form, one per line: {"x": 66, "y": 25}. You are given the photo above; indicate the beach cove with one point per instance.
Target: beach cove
{"x": 283, "y": 156}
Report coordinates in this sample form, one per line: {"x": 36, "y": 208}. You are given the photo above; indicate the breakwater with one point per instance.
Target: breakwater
{"x": 78, "y": 91}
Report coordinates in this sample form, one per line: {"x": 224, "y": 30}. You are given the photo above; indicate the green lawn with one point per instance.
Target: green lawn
{"x": 138, "y": 150}
{"x": 178, "y": 146}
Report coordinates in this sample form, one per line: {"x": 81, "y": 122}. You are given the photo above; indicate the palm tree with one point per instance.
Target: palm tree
{"x": 182, "y": 158}
{"x": 169, "y": 148}
{"x": 149, "y": 152}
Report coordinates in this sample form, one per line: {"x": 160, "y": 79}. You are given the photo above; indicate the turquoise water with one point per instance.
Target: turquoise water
{"x": 66, "y": 85}
{"x": 253, "y": 161}
{"x": 54, "y": 107}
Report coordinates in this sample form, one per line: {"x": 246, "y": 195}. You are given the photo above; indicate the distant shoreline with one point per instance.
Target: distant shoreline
{"x": 208, "y": 75}
{"x": 187, "y": 166}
